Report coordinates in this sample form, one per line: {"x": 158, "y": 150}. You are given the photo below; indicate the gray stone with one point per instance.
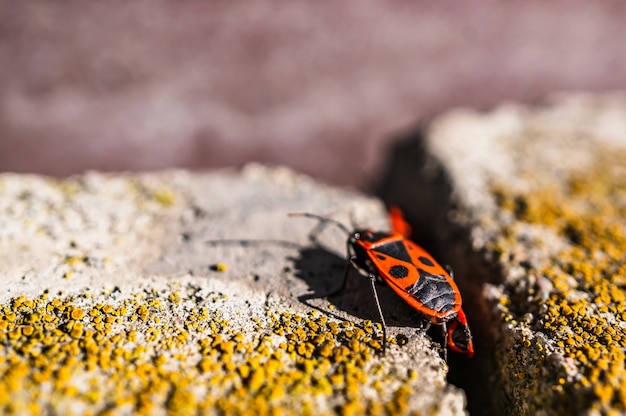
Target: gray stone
{"x": 527, "y": 204}
{"x": 187, "y": 254}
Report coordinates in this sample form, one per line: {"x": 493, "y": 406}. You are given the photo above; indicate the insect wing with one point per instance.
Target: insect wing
{"x": 416, "y": 277}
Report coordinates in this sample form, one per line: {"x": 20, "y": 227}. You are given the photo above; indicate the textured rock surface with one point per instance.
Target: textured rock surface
{"x": 178, "y": 292}
{"x": 529, "y": 206}
{"x": 183, "y": 292}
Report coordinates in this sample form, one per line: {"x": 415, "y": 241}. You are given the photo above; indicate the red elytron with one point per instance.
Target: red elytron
{"x": 412, "y": 273}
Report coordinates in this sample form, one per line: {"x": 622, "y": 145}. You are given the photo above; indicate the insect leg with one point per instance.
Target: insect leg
{"x": 444, "y": 343}
{"x": 449, "y": 270}
{"x": 380, "y": 311}
{"x": 398, "y": 223}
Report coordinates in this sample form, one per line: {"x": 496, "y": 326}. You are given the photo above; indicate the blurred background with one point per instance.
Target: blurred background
{"x": 324, "y": 87}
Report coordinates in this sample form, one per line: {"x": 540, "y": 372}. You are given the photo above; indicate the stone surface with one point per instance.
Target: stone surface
{"x": 181, "y": 292}
{"x": 528, "y": 204}
{"x": 196, "y": 292}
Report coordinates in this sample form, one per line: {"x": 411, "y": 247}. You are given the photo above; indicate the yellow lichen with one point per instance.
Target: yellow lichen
{"x": 98, "y": 358}
{"x": 588, "y": 213}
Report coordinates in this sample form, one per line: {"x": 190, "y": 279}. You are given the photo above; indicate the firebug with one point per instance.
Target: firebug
{"x": 412, "y": 273}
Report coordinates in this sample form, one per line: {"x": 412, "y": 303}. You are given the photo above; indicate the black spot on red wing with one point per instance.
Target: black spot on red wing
{"x": 381, "y": 257}
{"x": 399, "y": 272}
{"x": 426, "y": 261}
{"x": 395, "y": 249}
{"x": 433, "y": 291}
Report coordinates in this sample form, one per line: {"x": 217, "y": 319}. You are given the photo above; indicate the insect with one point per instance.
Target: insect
{"x": 412, "y": 273}
{"x": 459, "y": 335}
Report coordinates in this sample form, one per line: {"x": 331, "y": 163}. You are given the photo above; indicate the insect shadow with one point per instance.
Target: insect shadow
{"x": 322, "y": 270}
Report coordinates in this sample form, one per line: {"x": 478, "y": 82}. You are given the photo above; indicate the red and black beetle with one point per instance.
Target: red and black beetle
{"x": 412, "y": 273}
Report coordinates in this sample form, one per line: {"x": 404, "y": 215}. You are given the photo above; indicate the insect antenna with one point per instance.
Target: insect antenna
{"x": 323, "y": 219}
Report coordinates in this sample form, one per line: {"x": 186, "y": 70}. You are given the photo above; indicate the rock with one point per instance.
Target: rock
{"x": 185, "y": 293}
{"x": 528, "y": 205}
